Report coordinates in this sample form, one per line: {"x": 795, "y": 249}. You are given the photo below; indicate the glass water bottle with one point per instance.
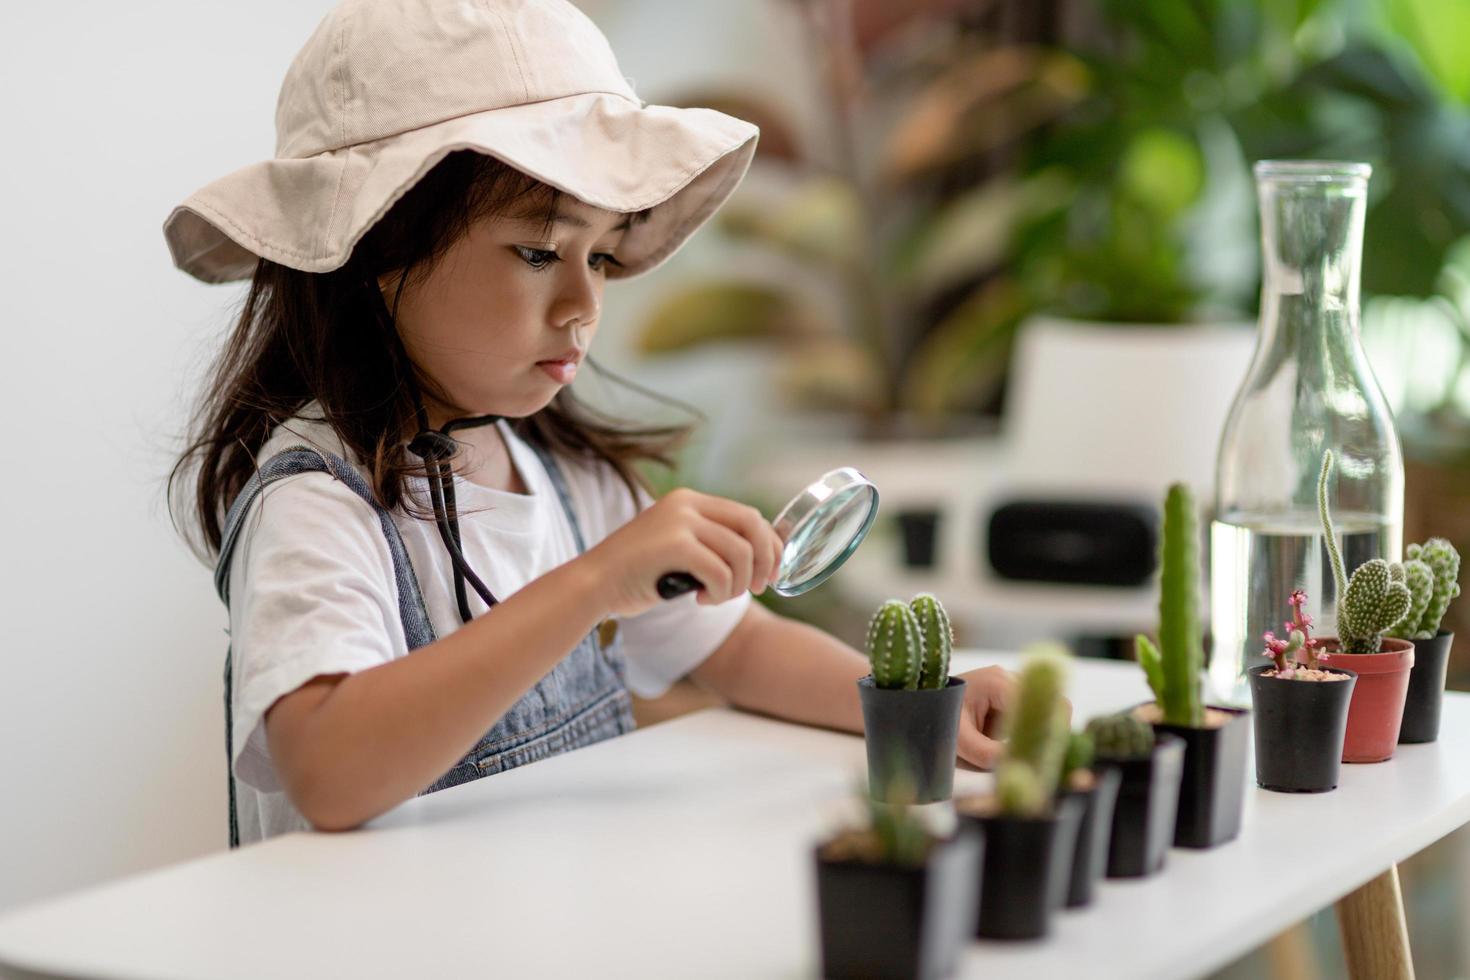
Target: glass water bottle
{"x": 1309, "y": 388}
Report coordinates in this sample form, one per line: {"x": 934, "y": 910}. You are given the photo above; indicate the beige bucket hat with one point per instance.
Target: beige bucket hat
{"x": 384, "y": 89}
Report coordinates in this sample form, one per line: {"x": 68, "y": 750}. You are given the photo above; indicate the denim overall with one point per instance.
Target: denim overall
{"x": 584, "y": 699}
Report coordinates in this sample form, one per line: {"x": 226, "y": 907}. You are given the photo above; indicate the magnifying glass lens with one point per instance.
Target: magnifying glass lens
{"x": 839, "y": 511}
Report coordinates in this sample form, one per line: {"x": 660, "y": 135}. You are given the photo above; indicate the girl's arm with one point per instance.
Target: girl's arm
{"x": 348, "y": 747}
{"x": 793, "y": 670}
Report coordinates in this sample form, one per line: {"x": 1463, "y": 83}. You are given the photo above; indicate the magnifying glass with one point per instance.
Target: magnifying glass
{"x": 821, "y": 527}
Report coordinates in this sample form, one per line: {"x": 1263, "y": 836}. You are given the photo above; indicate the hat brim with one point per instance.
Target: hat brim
{"x": 601, "y": 148}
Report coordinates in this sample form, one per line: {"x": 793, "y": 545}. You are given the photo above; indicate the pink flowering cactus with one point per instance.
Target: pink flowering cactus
{"x": 1298, "y": 639}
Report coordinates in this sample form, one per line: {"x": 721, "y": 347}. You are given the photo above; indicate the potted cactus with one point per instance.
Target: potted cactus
{"x": 1368, "y": 605}
{"x": 1216, "y": 739}
{"x": 1026, "y": 826}
{"x": 1150, "y": 765}
{"x": 1431, "y": 573}
{"x": 894, "y": 898}
{"x": 1096, "y": 787}
{"x": 911, "y": 706}
{"x": 1301, "y": 710}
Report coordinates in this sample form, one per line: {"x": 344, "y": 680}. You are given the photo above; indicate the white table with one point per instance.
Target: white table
{"x": 684, "y": 850}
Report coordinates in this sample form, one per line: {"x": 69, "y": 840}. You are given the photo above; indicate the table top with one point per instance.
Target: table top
{"x": 685, "y": 849}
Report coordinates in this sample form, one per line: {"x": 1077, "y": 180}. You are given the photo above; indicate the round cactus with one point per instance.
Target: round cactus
{"x": 938, "y": 639}
{"x": 1374, "y": 599}
{"x": 1443, "y": 562}
{"x": 895, "y": 646}
{"x": 1079, "y": 754}
{"x": 1121, "y": 736}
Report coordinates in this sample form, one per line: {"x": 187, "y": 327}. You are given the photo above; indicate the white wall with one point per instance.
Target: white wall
{"x": 110, "y": 715}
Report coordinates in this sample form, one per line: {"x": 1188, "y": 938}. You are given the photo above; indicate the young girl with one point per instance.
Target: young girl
{"x": 388, "y": 459}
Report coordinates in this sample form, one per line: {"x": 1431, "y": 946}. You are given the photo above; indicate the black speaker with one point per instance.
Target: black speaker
{"x": 1074, "y": 542}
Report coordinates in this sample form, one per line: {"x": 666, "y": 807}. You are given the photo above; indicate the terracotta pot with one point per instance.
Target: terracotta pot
{"x": 1377, "y": 708}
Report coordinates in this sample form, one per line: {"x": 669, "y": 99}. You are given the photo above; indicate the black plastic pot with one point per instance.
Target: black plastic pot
{"x": 1027, "y": 868}
{"x": 1212, "y": 787}
{"x": 1094, "y": 830}
{"x": 1426, "y": 689}
{"x": 888, "y": 921}
{"x": 915, "y": 733}
{"x": 920, "y": 534}
{"x": 1147, "y": 808}
{"x": 1299, "y": 730}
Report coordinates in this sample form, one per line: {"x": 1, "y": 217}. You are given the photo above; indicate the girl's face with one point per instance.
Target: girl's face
{"x": 507, "y": 298}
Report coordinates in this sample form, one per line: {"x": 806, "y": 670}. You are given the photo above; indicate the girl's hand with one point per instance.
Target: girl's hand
{"x": 727, "y": 545}
{"x": 989, "y": 693}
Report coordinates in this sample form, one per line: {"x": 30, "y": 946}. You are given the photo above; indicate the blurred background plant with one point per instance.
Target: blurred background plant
{"x": 991, "y": 159}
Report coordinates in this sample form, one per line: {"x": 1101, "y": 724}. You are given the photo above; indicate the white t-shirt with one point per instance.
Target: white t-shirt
{"x": 312, "y": 588}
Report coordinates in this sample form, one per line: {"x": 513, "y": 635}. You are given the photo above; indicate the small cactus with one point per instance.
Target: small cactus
{"x": 1431, "y": 574}
{"x": 895, "y": 646}
{"x": 1374, "y": 599}
{"x": 1037, "y": 733}
{"x": 1173, "y": 667}
{"x": 1078, "y": 755}
{"x": 938, "y": 639}
{"x": 1121, "y": 736}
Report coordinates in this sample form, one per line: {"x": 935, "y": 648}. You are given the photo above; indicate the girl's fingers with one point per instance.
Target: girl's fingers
{"x": 975, "y": 748}
{"x": 736, "y": 552}
{"x": 754, "y": 528}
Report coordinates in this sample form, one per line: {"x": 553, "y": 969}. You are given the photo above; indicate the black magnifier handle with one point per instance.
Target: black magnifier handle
{"x": 675, "y": 584}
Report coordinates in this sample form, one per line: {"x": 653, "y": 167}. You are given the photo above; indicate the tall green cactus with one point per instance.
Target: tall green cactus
{"x": 1374, "y": 599}
{"x": 1120, "y": 736}
{"x": 938, "y": 639}
{"x": 1173, "y": 667}
{"x": 1027, "y": 777}
{"x": 895, "y": 646}
{"x": 1431, "y": 573}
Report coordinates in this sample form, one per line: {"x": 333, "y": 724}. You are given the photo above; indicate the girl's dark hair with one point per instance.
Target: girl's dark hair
{"x": 304, "y": 336}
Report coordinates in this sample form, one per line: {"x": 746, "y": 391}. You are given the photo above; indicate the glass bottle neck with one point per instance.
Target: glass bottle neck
{"x": 1312, "y": 248}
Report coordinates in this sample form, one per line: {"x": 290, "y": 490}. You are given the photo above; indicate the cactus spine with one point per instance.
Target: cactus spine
{"x": 938, "y": 638}
{"x": 1374, "y": 599}
{"x": 895, "y": 646}
{"x": 1037, "y": 738}
{"x": 1431, "y": 573}
{"x": 1120, "y": 736}
{"x": 1173, "y": 667}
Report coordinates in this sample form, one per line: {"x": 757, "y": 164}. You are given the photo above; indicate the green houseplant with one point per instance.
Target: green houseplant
{"x": 1150, "y": 766}
{"x": 895, "y": 899}
{"x": 1029, "y": 830}
{"x": 911, "y": 705}
{"x": 1431, "y": 574}
{"x": 1212, "y": 790}
{"x": 1369, "y": 604}
{"x": 1300, "y": 710}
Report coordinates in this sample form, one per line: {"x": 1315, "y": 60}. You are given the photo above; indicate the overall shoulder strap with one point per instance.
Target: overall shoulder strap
{"x": 301, "y": 459}
{"x": 558, "y": 480}
{"x": 417, "y": 629}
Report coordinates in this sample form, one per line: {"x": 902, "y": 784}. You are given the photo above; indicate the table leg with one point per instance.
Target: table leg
{"x": 1375, "y": 938}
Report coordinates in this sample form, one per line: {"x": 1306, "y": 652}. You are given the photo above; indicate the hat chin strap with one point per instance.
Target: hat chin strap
{"x": 435, "y": 447}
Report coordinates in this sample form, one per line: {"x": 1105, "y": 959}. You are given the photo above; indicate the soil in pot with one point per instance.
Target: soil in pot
{"x": 915, "y": 733}
{"x": 1426, "y": 689}
{"x": 1299, "y": 724}
{"x": 1376, "y": 709}
{"x": 894, "y": 921}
